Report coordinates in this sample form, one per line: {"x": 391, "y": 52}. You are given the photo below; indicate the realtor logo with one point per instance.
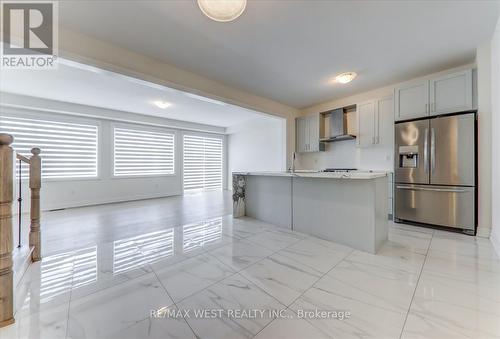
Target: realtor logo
{"x": 29, "y": 34}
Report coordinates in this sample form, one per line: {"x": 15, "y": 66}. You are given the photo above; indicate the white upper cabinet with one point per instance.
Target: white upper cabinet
{"x": 412, "y": 100}
{"x": 301, "y": 129}
{"x": 448, "y": 93}
{"x": 366, "y": 124}
{"x": 308, "y": 133}
{"x": 314, "y": 144}
{"x": 384, "y": 121}
{"x": 451, "y": 93}
{"x": 375, "y": 122}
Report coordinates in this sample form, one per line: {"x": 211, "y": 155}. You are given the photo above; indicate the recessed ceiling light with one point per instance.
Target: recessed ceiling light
{"x": 162, "y": 104}
{"x": 346, "y": 77}
{"x": 222, "y": 10}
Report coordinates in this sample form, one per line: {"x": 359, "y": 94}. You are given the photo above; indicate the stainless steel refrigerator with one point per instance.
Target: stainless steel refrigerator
{"x": 435, "y": 171}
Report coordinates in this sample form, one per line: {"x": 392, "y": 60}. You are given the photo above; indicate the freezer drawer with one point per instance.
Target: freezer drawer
{"x": 449, "y": 206}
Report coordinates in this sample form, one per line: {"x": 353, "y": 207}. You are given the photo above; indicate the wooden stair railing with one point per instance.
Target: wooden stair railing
{"x": 35, "y": 165}
{"x": 6, "y": 198}
{"x": 6, "y": 245}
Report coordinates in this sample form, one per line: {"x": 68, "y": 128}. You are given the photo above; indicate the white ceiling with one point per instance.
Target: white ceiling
{"x": 289, "y": 50}
{"x": 80, "y": 84}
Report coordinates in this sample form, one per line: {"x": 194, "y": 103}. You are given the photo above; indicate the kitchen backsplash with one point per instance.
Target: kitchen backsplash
{"x": 345, "y": 154}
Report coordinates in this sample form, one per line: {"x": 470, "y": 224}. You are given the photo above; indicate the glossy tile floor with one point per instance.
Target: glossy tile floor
{"x": 423, "y": 283}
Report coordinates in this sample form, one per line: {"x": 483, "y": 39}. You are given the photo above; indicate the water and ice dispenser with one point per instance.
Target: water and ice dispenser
{"x": 408, "y": 156}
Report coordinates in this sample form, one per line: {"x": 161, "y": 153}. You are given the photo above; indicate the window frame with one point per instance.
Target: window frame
{"x": 61, "y": 118}
{"x": 223, "y": 139}
{"x": 145, "y": 128}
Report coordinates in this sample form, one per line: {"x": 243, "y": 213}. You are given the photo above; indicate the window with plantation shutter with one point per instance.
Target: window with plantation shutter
{"x": 203, "y": 161}
{"x": 69, "y": 150}
{"x": 139, "y": 152}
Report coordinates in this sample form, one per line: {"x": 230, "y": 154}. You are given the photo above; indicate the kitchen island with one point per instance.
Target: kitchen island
{"x": 347, "y": 208}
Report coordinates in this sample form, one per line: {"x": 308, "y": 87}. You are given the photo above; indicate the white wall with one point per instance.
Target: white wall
{"x": 106, "y": 189}
{"x": 88, "y": 50}
{"x": 483, "y": 61}
{"x": 64, "y": 193}
{"x": 345, "y": 154}
{"x": 495, "y": 103}
{"x": 259, "y": 145}
{"x": 23, "y": 102}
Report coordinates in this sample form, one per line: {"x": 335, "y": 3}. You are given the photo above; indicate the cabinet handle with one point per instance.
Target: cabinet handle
{"x": 433, "y": 150}
{"x": 451, "y": 190}
{"x": 434, "y": 107}
{"x": 426, "y": 151}
{"x": 426, "y": 108}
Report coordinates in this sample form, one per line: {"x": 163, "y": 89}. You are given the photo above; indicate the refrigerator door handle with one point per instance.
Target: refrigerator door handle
{"x": 433, "y": 150}
{"x": 426, "y": 151}
{"x": 449, "y": 190}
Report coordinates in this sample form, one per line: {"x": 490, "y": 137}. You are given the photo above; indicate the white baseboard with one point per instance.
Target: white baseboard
{"x": 496, "y": 243}
{"x": 483, "y": 232}
{"x": 108, "y": 201}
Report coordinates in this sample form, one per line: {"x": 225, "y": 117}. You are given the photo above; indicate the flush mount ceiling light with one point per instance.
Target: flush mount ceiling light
{"x": 222, "y": 10}
{"x": 162, "y": 104}
{"x": 346, "y": 77}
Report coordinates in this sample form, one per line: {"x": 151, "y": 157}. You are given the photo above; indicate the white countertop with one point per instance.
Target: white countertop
{"x": 324, "y": 175}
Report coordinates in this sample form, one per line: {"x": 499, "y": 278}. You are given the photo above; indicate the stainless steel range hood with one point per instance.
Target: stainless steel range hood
{"x": 339, "y": 128}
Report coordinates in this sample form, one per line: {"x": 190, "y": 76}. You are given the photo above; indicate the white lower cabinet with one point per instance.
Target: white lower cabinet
{"x": 390, "y": 194}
